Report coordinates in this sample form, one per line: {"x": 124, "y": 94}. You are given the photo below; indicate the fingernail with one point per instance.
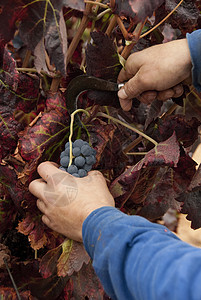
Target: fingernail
{"x": 122, "y": 94}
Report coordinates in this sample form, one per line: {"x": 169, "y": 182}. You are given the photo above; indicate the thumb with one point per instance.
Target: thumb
{"x": 134, "y": 87}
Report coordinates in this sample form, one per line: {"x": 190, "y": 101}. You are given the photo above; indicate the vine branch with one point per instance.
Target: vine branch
{"x": 100, "y": 114}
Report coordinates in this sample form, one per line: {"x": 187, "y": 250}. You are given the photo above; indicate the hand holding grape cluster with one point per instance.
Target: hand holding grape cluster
{"x": 84, "y": 157}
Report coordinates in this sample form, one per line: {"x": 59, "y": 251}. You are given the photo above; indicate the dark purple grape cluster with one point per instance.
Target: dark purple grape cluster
{"x": 84, "y": 157}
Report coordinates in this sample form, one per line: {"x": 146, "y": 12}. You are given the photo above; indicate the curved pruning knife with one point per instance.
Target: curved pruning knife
{"x": 83, "y": 83}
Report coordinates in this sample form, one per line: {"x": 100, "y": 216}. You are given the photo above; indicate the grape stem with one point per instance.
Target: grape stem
{"x": 72, "y": 116}
{"x": 101, "y": 114}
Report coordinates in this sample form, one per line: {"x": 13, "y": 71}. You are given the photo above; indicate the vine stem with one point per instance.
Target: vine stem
{"x": 157, "y": 25}
{"x": 80, "y": 31}
{"x": 100, "y": 114}
{"x": 26, "y": 59}
{"x": 111, "y": 25}
{"x": 136, "y": 153}
{"x": 71, "y": 130}
{"x": 128, "y": 48}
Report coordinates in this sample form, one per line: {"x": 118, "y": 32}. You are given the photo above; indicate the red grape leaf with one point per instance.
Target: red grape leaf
{"x": 84, "y": 284}
{"x": 48, "y": 130}
{"x": 193, "y": 105}
{"x": 41, "y": 27}
{"x": 75, "y": 4}
{"x": 64, "y": 260}
{"x": 184, "y": 18}
{"x": 26, "y": 275}
{"x": 129, "y": 184}
{"x": 100, "y": 134}
{"x": 107, "y": 68}
{"x": 7, "y": 213}
{"x": 161, "y": 198}
{"x": 72, "y": 258}
{"x": 14, "y": 93}
{"x": 138, "y": 10}
{"x": 191, "y": 201}
{"x": 34, "y": 230}
{"x": 9, "y": 293}
{"x": 186, "y": 130}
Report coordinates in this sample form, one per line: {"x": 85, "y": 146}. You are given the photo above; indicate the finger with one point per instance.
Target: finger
{"x": 46, "y": 221}
{"x": 125, "y": 104}
{"x": 136, "y": 86}
{"x": 131, "y": 68}
{"x": 47, "y": 169}
{"x": 165, "y": 95}
{"x": 36, "y": 187}
{"x": 178, "y": 90}
{"x": 41, "y": 205}
{"x": 148, "y": 97}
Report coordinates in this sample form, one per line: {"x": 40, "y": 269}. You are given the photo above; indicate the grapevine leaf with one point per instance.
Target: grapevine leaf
{"x": 35, "y": 231}
{"x": 48, "y": 264}
{"x": 75, "y": 4}
{"x": 27, "y": 276}
{"x": 38, "y": 234}
{"x": 133, "y": 182}
{"x": 84, "y": 284}
{"x": 100, "y": 134}
{"x": 11, "y": 10}
{"x": 107, "y": 68}
{"x": 42, "y": 27}
{"x": 193, "y": 106}
{"x": 9, "y": 293}
{"x": 191, "y": 201}
{"x": 64, "y": 260}
{"x": 184, "y": 18}
{"x": 186, "y": 130}
{"x": 49, "y": 129}
{"x": 161, "y": 198}
{"x": 7, "y": 214}
{"x": 13, "y": 93}
{"x": 72, "y": 258}
{"x": 138, "y": 10}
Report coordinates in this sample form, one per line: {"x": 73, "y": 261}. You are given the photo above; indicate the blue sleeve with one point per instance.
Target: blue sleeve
{"x": 194, "y": 43}
{"x": 137, "y": 259}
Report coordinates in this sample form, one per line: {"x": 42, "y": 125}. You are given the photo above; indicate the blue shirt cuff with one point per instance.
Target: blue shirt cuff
{"x": 194, "y": 43}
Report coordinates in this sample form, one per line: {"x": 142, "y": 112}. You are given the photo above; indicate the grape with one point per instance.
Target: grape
{"x": 75, "y": 174}
{"x": 62, "y": 154}
{"x": 87, "y": 167}
{"x": 72, "y": 169}
{"x": 83, "y": 158}
{"x": 78, "y": 143}
{"x": 76, "y": 151}
{"x": 67, "y": 151}
{"x": 64, "y": 161}
{"x": 63, "y": 169}
{"x": 67, "y": 145}
{"x": 90, "y": 160}
{"x": 86, "y": 150}
{"x": 82, "y": 172}
{"x": 79, "y": 161}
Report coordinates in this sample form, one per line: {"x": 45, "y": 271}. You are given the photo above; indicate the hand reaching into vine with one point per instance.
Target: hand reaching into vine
{"x": 156, "y": 72}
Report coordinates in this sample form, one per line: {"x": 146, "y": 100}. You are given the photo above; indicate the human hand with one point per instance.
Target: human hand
{"x": 66, "y": 201}
{"x": 155, "y": 72}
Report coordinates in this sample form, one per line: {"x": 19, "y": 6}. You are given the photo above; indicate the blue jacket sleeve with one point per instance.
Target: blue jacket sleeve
{"x": 194, "y": 43}
{"x": 137, "y": 259}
